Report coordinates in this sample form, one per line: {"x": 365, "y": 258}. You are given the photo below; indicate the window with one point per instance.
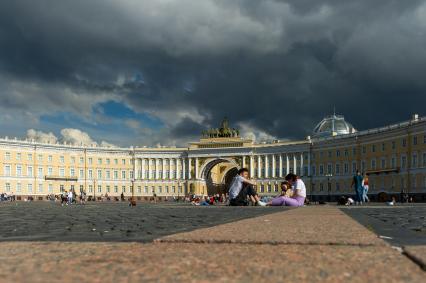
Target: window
{"x": 50, "y": 188}
{"x": 40, "y": 158}
{"x": 373, "y": 148}
{"x": 364, "y": 149}
{"x": 72, "y": 160}
{"x": 30, "y": 157}
{"x": 337, "y": 153}
{"x": 108, "y": 161}
{"x": 354, "y": 151}
{"x": 30, "y": 188}
{"x": 123, "y": 174}
{"x": 354, "y": 167}
{"x": 99, "y": 174}
{"x": 167, "y": 189}
{"x": 62, "y": 159}
{"x": 424, "y": 159}
{"x": 18, "y": 187}
{"x": 123, "y": 189}
{"x": 131, "y": 174}
{"x": 108, "y": 174}
{"x": 373, "y": 164}
{"x": 50, "y": 171}
{"x": 329, "y": 168}
{"x": 90, "y": 189}
{"x": 346, "y": 168}
{"x": 393, "y": 162}
{"x": 174, "y": 189}
{"x": 337, "y": 187}
{"x": 146, "y": 189}
{"x": 62, "y": 172}
{"x": 116, "y": 161}
{"x": 346, "y": 152}
{"x": 393, "y": 144}
{"x": 90, "y": 174}
{"x": 115, "y": 175}
{"x": 415, "y": 140}
{"x": 18, "y": 156}
{"x": 8, "y": 187}
{"x": 99, "y": 189}
{"x": 108, "y": 189}
{"x": 7, "y": 170}
{"x": 29, "y": 171}
{"x": 18, "y": 170}
{"x": 329, "y": 154}
{"x": 81, "y": 160}
{"x": 50, "y": 158}
{"x": 321, "y": 169}
{"x": 403, "y": 162}
{"x": 404, "y": 142}
{"x": 61, "y": 188}
{"x": 7, "y": 155}
{"x": 424, "y": 139}
{"x": 321, "y": 187}
{"x": 414, "y": 160}
{"x": 262, "y": 188}
{"x": 81, "y": 174}
{"x": 314, "y": 173}
{"x": 123, "y": 161}
{"x": 383, "y": 165}
{"x": 115, "y": 189}
{"x": 139, "y": 189}
{"x": 337, "y": 169}
{"x": 269, "y": 188}
{"x": 383, "y": 146}
{"x": 90, "y": 160}
{"x": 72, "y": 172}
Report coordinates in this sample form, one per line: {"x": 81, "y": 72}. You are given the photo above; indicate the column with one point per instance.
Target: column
{"x": 281, "y": 165}
{"x": 244, "y": 161}
{"x": 274, "y": 166}
{"x": 259, "y": 171}
{"x": 183, "y": 162}
{"x": 251, "y": 166}
{"x": 157, "y": 168}
{"x": 142, "y": 168}
{"x": 266, "y": 166}
{"x": 196, "y": 168}
{"x": 309, "y": 164}
{"x": 288, "y": 164}
{"x": 189, "y": 168}
{"x": 294, "y": 164}
{"x": 302, "y": 171}
{"x": 150, "y": 166}
{"x": 177, "y": 176}
{"x": 164, "y": 168}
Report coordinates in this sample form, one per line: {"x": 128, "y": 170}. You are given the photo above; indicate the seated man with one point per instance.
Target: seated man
{"x": 241, "y": 188}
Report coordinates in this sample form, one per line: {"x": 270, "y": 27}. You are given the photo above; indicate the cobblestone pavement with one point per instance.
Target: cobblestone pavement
{"x": 45, "y": 221}
{"x": 400, "y": 225}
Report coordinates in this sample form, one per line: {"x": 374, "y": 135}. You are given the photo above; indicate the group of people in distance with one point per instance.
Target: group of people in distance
{"x": 242, "y": 192}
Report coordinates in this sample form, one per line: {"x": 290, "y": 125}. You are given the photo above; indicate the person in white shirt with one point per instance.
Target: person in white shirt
{"x": 241, "y": 188}
{"x": 298, "y": 196}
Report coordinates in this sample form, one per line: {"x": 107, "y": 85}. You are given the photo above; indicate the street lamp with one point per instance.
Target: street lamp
{"x": 329, "y": 185}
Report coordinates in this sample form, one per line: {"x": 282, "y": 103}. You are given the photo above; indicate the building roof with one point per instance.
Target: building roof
{"x": 333, "y": 125}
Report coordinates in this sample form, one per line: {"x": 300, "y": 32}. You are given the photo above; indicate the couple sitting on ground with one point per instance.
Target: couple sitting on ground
{"x": 242, "y": 189}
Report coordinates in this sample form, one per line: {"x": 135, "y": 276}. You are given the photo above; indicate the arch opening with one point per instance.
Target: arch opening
{"x": 218, "y": 175}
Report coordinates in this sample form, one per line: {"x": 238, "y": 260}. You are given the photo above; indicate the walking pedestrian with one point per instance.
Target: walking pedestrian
{"x": 365, "y": 189}
{"x": 357, "y": 184}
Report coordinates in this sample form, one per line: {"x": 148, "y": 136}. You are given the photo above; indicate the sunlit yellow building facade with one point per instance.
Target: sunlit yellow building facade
{"x": 394, "y": 157}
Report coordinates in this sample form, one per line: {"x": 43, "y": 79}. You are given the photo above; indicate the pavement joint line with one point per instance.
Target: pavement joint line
{"x": 272, "y": 243}
{"x": 414, "y": 259}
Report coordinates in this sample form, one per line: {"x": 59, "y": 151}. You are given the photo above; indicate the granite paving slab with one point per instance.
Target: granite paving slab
{"x": 323, "y": 225}
{"x": 168, "y": 262}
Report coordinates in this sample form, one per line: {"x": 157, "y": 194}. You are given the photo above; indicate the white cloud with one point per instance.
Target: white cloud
{"x": 68, "y": 135}
{"x": 249, "y": 132}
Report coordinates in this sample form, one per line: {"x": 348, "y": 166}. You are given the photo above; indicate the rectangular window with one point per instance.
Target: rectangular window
{"x": 414, "y": 160}
{"x": 72, "y": 172}
{"x": 139, "y": 189}
{"x": 393, "y": 162}
{"x": 18, "y": 188}
{"x": 99, "y": 189}
{"x": 337, "y": 153}
{"x": 90, "y": 189}
{"x": 50, "y": 158}
{"x": 364, "y": 149}
{"x": 7, "y": 155}
{"x": 123, "y": 174}
{"x": 116, "y": 161}
{"x": 81, "y": 160}
{"x": 50, "y": 188}
{"x": 167, "y": 189}
{"x": 7, "y": 187}
{"x": 115, "y": 175}
{"x": 18, "y": 156}
{"x": 108, "y": 189}
{"x": 29, "y": 171}
{"x": 99, "y": 161}
{"x": 18, "y": 170}
{"x": 81, "y": 174}
{"x": 123, "y": 161}
{"x": 115, "y": 189}
{"x": 383, "y": 146}
{"x": 373, "y": 148}
{"x": 123, "y": 189}
{"x": 403, "y": 162}
{"x": 373, "y": 164}
{"x": 99, "y": 174}
{"x": 90, "y": 160}
{"x": 393, "y": 144}
{"x": 329, "y": 169}
{"x": 346, "y": 168}
{"x": 424, "y": 159}
{"x": 30, "y": 157}
{"x": 337, "y": 169}
{"x": 108, "y": 161}
{"x": 62, "y": 159}
{"x": 160, "y": 189}
{"x": 62, "y": 172}
{"x": 321, "y": 170}
{"x": 146, "y": 189}
{"x": 40, "y": 172}
{"x": 7, "y": 170}
{"x": 354, "y": 167}
{"x": 40, "y": 188}
{"x": 108, "y": 174}
{"x": 50, "y": 171}
{"x": 404, "y": 142}
{"x": 414, "y": 140}
{"x": 90, "y": 174}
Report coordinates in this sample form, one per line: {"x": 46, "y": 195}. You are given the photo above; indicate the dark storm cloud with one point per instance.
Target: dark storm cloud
{"x": 274, "y": 67}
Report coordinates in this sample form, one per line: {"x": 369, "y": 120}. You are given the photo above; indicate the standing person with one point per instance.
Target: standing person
{"x": 70, "y": 197}
{"x": 357, "y": 184}
{"x": 241, "y": 188}
{"x": 365, "y": 189}
{"x": 298, "y": 193}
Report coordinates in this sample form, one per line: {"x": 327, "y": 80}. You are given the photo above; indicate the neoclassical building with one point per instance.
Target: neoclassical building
{"x": 393, "y": 156}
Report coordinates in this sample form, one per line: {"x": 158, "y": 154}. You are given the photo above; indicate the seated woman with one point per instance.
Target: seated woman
{"x": 298, "y": 193}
